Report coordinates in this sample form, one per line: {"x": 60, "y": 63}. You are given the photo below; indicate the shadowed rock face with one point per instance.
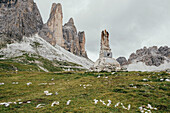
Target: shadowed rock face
{"x": 18, "y": 18}
{"x": 122, "y": 61}
{"x": 65, "y": 36}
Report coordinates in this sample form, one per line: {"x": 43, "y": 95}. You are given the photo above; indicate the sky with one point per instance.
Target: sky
{"x": 132, "y": 24}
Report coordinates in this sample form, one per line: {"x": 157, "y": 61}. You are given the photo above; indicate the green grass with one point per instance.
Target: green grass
{"x": 117, "y": 88}
{"x": 31, "y": 61}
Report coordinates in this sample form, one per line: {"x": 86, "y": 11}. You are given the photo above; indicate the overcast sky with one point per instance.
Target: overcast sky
{"x": 132, "y": 24}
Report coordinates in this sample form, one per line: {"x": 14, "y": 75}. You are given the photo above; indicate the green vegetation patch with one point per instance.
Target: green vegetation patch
{"x": 81, "y": 88}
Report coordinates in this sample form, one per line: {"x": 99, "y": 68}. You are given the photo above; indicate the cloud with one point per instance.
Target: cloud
{"x": 132, "y": 24}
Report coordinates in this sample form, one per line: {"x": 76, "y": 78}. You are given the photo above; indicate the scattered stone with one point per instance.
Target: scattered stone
{"x": 167, "y": 80}
{"x": 1, "y": 84}
{"x": 95, "y": 101}
{"x": 68, "y": 102}
{"x": 56, "y": 93}
{"x": 55, "y": 103}
{"x": 117, "y": 104}
{"x": 109, "y": 102}
{"x": 29, "y": 83}
{"x": 28, "y": 102}
{"x": 42, "y": 84}
{"x": 47, "y": 93}
{"x": 103, "y": 102}
{"x": 14, "y": 82}
{"x": 145, "y": 80}
{"x": 146, "y": 109}
{"x": 113, "y": 73}
{"x": 162, "y": 79}
{"x": 98, "y": 76}
{"x": 20, "y": 102}
{"x": 40, "y": 105}
{"x": 51, "y": 84}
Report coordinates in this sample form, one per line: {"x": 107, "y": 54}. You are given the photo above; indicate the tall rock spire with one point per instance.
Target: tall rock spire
{"x": 55, "y": 24}
{"x": 65, "y": 36}
{"x": 105, "y": 61}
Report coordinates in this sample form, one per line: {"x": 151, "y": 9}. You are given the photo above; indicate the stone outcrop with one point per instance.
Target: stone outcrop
{"x": 105, "y": 61}
{"x": 122, "y": 61}
{"x": 65, "y": 36}
{"x": 74, "y": 42}
{"x": 18, "y": 18}
{"x": 152, "y": 56}
{"x": 52, "y": 30}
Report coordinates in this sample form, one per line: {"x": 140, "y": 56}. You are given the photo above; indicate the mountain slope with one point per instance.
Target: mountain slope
{"x": 37, "y": 45}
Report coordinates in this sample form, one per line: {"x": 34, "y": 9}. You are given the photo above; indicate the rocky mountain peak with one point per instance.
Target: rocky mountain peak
{"x": 18, "y": 18}
{"x": 75, "y": 43}
{"x": 65, "y": 36}
{"x": 152, "y": 56}
{"x": 52, "y": 30}
{"x": 71, "y": 21}
{"x": 56, "y": 8}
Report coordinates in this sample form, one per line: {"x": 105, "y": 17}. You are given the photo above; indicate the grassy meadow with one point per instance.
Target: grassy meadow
{"x": 25, "y": 91}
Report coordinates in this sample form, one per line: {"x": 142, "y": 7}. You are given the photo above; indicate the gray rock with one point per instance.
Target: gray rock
{"x": 65, "y": 36}
{"x": 165, "y": 51}
{"x": 18, "y": 18}
{"x": 122, "y": 61}
{"x": 151, "y": 56}
{"x": 74, "y": 42}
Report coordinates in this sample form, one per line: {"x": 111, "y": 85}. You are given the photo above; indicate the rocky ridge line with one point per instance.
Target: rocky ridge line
{"x": 152, "y": 56}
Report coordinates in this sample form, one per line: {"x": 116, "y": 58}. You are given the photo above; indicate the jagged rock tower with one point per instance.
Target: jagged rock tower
{"x": 105, "y": 50}
{"x": 52, "y": 30}
{"x": 65, "y": 36}
{"x": 105, "y": 61}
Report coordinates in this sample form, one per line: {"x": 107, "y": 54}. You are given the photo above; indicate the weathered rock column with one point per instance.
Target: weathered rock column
{"x": 55, "y": 24}
{"x": 105, "y": 61}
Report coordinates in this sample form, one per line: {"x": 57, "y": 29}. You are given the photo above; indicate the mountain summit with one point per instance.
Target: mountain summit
{"x": 65, "y": 36}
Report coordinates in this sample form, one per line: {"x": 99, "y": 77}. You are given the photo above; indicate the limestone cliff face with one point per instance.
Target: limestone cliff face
{"x": 18, "y": 18}
{"x": 65, "y": 36}
{"x": 52, "y": 30}
{"x": 152, "y": 56}
{"x": 74, "y": 42}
